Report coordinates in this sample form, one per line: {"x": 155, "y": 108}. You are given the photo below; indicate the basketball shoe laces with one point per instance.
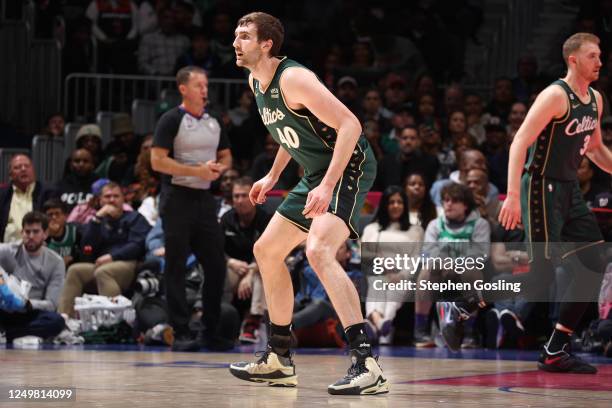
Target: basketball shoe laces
{"x": 264, "y": 354}
{"x": 357, "y": 368}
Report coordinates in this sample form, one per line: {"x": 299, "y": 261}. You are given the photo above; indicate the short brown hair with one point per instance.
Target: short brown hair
{"x": 244, "y": 181}
{"x": 268, "y": 28}
{"x": 460, "y": 193}
{"x": 183, "y": 74}
{"x": 573, "y": 43}
{"x": 35, "y": 217}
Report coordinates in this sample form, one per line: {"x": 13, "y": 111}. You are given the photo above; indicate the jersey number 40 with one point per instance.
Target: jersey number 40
{"x": 288, "y": 137}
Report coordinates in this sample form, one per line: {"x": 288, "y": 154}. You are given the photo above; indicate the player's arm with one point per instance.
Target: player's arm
{"x": 550, "y": 104}
{"x": 280, "y": 162}
{"x": 597, "y": 151}
{"x": 260, "y": 188}
{"x": 302, "y": 88}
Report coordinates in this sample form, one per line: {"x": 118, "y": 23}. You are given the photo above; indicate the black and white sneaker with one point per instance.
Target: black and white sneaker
{"x": 364, "y": 377}
{"x": 451, "y": 318}
{"x": 564, "y": 361}
{"x": 271, "y": 368}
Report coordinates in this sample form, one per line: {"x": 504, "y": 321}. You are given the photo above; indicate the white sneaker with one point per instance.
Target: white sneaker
{"x": 270, "y": 368}
{"x": 364, "y": 377}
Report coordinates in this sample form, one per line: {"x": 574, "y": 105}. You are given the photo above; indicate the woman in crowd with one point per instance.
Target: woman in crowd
{"x": 389, "y": 234}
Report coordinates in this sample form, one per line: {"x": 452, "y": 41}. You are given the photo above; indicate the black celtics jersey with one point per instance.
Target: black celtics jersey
{"x": 309, "y": 141}
{"x": 560, "y": 147}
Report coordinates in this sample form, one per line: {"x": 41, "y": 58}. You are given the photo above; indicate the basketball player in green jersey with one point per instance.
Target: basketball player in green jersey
{"x": 561, "y": 127}
{"x": 324, "y": 137}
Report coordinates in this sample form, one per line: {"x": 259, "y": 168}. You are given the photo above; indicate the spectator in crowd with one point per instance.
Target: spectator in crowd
{"x": 394, "y": 169}
{"x": 159, "y": 50}
{"x": 453, "y": 99}
{"x": 606, "y": 131}
{"x": 468, "y": 160}
{"x": 224, "y": 201}
{"x": 505, "y": 322}
{"x": 362, "y": 56}
{"x": 75, "y": 187}
{"x": 391, "y": 228}
{"x": 111, "y": 244}
{"x": 54, "y": 126}
{"x": 460, "y": 221}
{"x": 401, "y": 118}
{"x": 347, "y": 91}
{"x": 150, "y": 209}
{"x": 199, "y": 54}
{"x": 422, "y": 210}
{"x": 329, "y": 70}
{"x": 395, "y": 93}
{"x": 312, "y": 305}
{"x": 62, "y": 237}
{"x": 263, "y": 163}
{"x": 502, "y": 98}
{"x": 426, "y": 110}
{"x": 22, "y": 195}
{"x": 515, "y": 119}
{"x": 89, "y": 137}
{"x": 456, "y": 126}
{"x": 431, "y": 139}
{"x": 44, "y": 270}
{"x": 187, "y": 16}
{"x": 477, "y": 180}
{"x": 497, "y": 152}
{"x": 84, "y": 213}
{"x": 122, "y": 151}
{"x": 141, "y": 175}
{"x": 588, "y": 186}
{"x": 604, "y": 326}
{"x": 373, "y": 109}
{"x": 245, "y": 130}
{"x": 222, "y": 38}
{"x": 602, "y": 206}
{"x": 527, "y": 80}
{"x": 476, "y": 118}
{"x": 371, "y": 130}
{"x": 424, "y": 85}
{"x": 115, "y": 27}
{"x": 242, "y": 225}
{"x": 147, "y": 15}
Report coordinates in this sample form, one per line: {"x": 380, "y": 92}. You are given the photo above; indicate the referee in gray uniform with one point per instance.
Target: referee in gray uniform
{"x": 191, "y": 150}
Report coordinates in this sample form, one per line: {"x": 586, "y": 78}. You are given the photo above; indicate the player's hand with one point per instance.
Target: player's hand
{"x": 258, "y": 192}
{"x": 510, "y": 214}
{"x": 317, "y": 201}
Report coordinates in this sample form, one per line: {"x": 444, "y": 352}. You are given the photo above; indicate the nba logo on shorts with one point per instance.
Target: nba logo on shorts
{"x": 550, "y": 188}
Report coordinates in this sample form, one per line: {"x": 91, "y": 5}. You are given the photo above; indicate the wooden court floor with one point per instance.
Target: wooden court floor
{"x": 165, "y": 379}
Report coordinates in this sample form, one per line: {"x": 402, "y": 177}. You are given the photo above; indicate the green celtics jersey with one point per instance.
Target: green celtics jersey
{"x": 309, "y": 141}
{"x": 560, "y": 147}
{"x": 65, "y": 245}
